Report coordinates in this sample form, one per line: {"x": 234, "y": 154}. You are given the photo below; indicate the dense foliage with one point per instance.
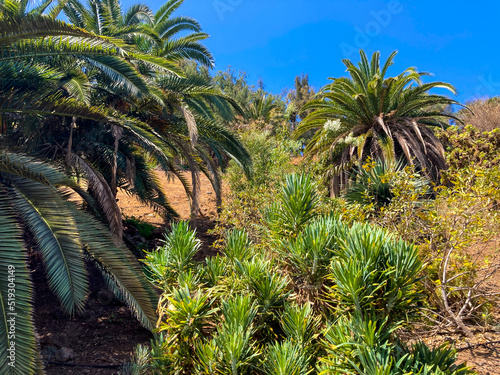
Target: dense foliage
{"x": 88, "y": 108}
{"x": 306, "y": 281}
{"x": 316, "y": 296}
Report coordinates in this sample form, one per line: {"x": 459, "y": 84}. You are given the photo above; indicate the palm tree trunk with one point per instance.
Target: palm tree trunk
{"x": 117, "y": 133}
{"x": 335, "y": 186}
{"x": 195, "y": 202}
{"x": 70, "y": 144}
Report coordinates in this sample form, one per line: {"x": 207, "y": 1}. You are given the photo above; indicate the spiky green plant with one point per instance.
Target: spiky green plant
{"x": 185, "y": 318}
{"x": 234, "y": 337}
{"x": 300, "y": 325}
{"x": 366, "y": 345}
{"x": 311, "y": 251}
{"x": 208, "y": 354}
{"x": 215, "y": 269}
{"x": 238, "y": 246}
{"x": 374, "y": 272}
{"x": 286, "y": 358}
{"x": 295, "y": 206}
{"x": 367, "y": 287}
{"x": 174, "y": 257}
{"x": 359, "y": 345}
{"x": 439, "y": 360}
{"x": 373, "y": 183}
{"x": 139, "y": 364}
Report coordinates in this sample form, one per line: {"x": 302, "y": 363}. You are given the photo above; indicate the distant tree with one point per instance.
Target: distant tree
{"x": 483, "y": 114}
{"x": 236, "y": 86}
{"x": 298, "y": 97}
{"x": 258, "y": 105}
{"x": 192, "y": 68}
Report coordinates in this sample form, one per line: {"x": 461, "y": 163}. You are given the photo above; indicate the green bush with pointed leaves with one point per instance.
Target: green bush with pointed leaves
{"x": 261, "y": 321}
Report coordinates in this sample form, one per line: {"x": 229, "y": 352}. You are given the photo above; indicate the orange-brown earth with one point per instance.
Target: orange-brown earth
{"x": 177, "y": 197}
{"x": 106, "y": 334}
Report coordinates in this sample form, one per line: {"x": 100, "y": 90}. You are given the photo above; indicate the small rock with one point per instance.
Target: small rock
{"x": 65, "y": 355}
{"x": 105, "y": 297}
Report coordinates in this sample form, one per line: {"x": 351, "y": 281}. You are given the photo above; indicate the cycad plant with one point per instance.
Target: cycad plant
{"x": 372, "y": 184}
{"x": 358, "y": 116}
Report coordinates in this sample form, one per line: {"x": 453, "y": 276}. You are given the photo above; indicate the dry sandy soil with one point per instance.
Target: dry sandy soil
{"x": 106, "y": 334}
{"x": 177, "y": 197}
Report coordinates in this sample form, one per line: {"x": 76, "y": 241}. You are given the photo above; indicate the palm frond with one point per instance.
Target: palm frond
{"x": 123, "y": 272}
{"x": 101, "y": 190}
{"x": 17, "y": 332}
{"x": 56, "y": 235}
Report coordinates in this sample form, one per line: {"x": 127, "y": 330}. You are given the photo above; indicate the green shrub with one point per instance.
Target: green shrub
{"x": 374, "y": 273}
{"x": 309, "y": 254}
{"x": 187, "y": 316}
{"x": 286, "y": 358}
{"x": 471, "y": 147}
{"x": 145, "y": 229}
{"x": 244, "y": 312}
{"x": 364, "y": 344}
{"x": 245, "y": 198}
{"x": 294, "y": 207}
{"x": 372, "y": 184}
{"x": 234, "y": 337}
{"x": 175, "y": 256}
{"x": 238, "y": 246}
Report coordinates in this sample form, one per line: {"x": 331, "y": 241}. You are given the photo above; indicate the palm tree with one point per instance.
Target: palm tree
{"x": 371, "y": 115}
{"x": 172, "y": 46}
{"x": 188, "y": 124}
{"x": 263, "y": 108}
{"x": 33, "y": 46}
{"x": 33, "y": 194}
{"x": 153, "y": 34}
{"x": 193, "y": 99}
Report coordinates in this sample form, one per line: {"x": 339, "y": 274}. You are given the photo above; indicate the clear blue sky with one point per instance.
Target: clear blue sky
{"x": 277, "y": 40}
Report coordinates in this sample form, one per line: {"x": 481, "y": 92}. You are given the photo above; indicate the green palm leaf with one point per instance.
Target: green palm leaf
{"x": 13, "y": 270}
{"x": 123, "y": 273}
{"x": 370, "y": 109}
{"x": 56, "y": 234}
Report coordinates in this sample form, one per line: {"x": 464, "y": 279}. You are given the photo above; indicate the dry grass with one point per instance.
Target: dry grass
{"x": 484, "y": 114}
